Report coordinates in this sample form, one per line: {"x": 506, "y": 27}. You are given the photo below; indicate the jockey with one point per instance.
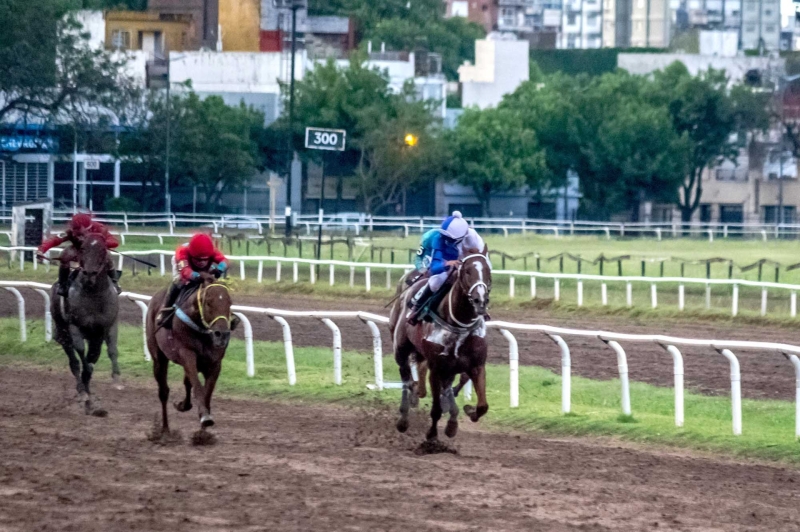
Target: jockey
{"x": 441, "y": 249}
{"x": 196, "y": 256}
{"x": 78, "y": 228}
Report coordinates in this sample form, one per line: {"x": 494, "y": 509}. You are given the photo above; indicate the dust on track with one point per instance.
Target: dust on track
{"x": 764, "y": 375}
{"x": 290, "y": 467}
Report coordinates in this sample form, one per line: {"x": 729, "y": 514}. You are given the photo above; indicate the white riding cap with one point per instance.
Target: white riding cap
{"x": 455, "y": 226}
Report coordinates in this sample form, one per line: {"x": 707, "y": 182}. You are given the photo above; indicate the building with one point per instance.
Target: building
{"x": 153, "y": 33}
{"x": 637, "y": 23}
{"x": 322, "y": 37}
{"x": 737, "y": 68}
{"x": 581, "y": 24}
{"x": 761, "y": 25}
{"x": 501, "y": 65}
{"x": 483, "y": 12}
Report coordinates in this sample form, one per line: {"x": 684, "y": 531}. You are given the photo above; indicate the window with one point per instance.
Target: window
{"x": 541, "y": 210}
{"x": 751, "y": 7}
{"x": 705, "y": 213}
{"x": 770, "y": 214}
{"x": 508, "y": 16}
{"x": 769, "y": 28}
{"x": 750, "y": 28}
{"x": 572, "y": 18}
{"x": 731, "y": 214}
{"x": 121, "y": 40}
{"x": 767, "y": 12}
{"x": 572, "y": 40}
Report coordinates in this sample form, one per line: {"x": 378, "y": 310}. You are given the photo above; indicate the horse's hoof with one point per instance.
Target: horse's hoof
{"x": 180, "y": 406}
{"x": 402, "y": 424}
{"x": 117, "y": 382}
{"x": 99, "y": 412}
{"x": 206, "y": 421}
{"x": 451, "y": 429}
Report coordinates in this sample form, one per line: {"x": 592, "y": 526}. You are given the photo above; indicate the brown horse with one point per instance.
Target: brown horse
{"x": 197, "y": 341}
{"x": 452, "y": 344}
{"x": 87, "y": 317}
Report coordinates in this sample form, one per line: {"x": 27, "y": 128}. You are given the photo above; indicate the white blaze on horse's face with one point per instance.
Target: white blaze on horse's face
{"x": 481, "y": 288}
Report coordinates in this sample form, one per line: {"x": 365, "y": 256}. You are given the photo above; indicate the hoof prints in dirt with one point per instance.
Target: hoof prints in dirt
{"x": 434, "y": 447}
{"x": 163, "y": 437}
{"x": 203, "y": 437}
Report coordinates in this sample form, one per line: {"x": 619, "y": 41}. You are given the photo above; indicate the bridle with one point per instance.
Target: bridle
{"x": 468, "y": 290}
{"x": 201, "y": 299}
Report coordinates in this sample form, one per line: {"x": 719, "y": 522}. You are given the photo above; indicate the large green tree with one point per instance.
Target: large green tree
{"x": 492, "y": 151}
{"x": 48, "y": 70}
{"x": 213, "y": 146}
{"x": 377, "y": 120}
{"x": 714, "y": 116}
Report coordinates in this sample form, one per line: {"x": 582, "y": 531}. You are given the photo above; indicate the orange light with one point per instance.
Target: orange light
{"x": 411, "y": 140}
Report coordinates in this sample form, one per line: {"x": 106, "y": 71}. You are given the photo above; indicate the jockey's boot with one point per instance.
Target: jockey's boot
{"x": 115, "y": 275}
{"x": 63, "y": 280}
{"x": 417, "y": 303}
{"x": 164, "y": 318}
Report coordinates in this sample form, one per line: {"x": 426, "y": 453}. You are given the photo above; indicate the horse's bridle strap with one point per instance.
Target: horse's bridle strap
{"x": 200, "y": 297}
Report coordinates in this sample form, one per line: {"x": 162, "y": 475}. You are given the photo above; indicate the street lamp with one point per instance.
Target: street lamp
{"x": 411, "y": 140}
{"x": 295, "y": 5}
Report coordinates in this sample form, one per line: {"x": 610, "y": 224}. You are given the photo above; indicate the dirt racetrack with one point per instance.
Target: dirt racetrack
{"x": 291, "y": 467}
{"x": 764, "y": 375}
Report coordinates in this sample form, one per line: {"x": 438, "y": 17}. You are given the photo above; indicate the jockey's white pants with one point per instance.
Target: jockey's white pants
{"x": 435, "y": 282}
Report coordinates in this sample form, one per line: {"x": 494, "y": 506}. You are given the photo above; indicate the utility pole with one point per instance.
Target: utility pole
{"x": 296, "y": 4}
{"x": 167, "y": 198}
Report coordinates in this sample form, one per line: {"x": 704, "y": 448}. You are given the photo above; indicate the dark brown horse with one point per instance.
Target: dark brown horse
{"x": 452, "y": 344}
{"x": 198, "y": 340}
{"x": 88, "y": 315}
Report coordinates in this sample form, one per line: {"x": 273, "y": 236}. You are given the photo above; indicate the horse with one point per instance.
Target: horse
{"x": 197, "y": 341}
{"x": 88, "y": 314}
{"x": 453, "y": 344}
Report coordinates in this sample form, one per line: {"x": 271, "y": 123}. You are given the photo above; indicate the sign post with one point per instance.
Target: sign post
{"x": 318, "y": 138}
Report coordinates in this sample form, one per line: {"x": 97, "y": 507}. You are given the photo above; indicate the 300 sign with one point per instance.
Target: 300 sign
{"x": 325, "y": 139}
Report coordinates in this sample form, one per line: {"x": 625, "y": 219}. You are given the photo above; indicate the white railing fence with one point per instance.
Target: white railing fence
{"x": 369, "y": 269}
{"x": 557, "y": 334}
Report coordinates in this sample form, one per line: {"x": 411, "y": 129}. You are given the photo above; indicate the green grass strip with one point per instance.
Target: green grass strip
{"x": 768, "y": 425}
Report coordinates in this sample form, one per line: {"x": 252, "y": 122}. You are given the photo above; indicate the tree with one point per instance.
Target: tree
{"x": 492, "y": 151}
{"x": 360, "y": 101}
{"x": 48, "y": 70}
{"x": 714, "y": 117}
{"x": 213, "y": 146}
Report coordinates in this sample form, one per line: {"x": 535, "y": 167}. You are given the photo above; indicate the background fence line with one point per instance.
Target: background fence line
{"x": 557, "y": 334}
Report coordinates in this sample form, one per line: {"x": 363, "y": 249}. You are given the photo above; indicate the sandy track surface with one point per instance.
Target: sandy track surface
{"x": 288, "y": 467}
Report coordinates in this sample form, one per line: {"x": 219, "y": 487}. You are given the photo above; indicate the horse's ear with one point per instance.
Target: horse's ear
{"x": 235, "y": 322}
{"x": 485, "y": 250}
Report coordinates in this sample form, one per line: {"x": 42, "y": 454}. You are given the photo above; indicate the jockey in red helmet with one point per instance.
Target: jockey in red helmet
{"x": 80, "y": 226}
{"x": 198, "y": 255}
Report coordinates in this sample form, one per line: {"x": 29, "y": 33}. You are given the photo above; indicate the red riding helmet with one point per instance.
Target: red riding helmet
{"x": 201, "y": 246}
{"x": 81, "y": 221}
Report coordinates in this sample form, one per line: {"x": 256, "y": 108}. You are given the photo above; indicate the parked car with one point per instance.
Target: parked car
{"x": 238, "y": 222}
{"x": 344, "y": 221}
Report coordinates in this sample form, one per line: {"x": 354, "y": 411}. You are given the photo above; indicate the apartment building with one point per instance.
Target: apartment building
{"x": 761, "y": 25}
{"x": 581, "y": 25}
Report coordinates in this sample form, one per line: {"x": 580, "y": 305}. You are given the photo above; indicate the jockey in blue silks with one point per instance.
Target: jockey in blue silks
{"x": 440, "y": 250}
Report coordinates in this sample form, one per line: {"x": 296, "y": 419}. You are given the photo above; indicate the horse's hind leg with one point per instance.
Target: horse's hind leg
{"x": 462, "y": 381}
{"x": 190, "y": 371}
{"x": 401, "y": 357}
{"x": 74, "y": 362}
{"x": 478, "y": 375}
{"x": 160, "y": 367}
{"x": 113, "y": 354}
{"x": 186, "y": 404}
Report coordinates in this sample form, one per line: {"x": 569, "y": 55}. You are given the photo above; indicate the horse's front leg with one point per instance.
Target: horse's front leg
{"x": 92, "y": 404}
{"x": 401, "y": 355}
{"x": 449, "y": 404}
{"x": 79, "y": 369}
{"x": 113, "y": 354}
{"x": 186, "y": 404}
{"x": 436, "y": 407}
{"x": 189, "y": 361}
{"x": 211, "y": 377}
{"x": 462, "y": 381}
{"x": 478, "y": 376}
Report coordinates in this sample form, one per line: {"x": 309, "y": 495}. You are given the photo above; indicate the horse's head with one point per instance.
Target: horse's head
{"x": 94, "y": 259}
{"x": 214, "y": 306}
{"x": 475, "y": 280}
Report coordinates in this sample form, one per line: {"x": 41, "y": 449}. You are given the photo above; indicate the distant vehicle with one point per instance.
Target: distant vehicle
{"x": 238, "y": 222}
{"x": 343, "y": 221}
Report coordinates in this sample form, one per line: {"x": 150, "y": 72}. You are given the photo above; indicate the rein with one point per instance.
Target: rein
{"x": 205, "y": 329}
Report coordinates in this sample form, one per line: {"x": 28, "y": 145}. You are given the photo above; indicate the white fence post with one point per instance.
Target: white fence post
{"x": 604, "y": 294}
{"x": 735, "y": 301}
{"x": 388, "y": 278}
{"x": 513, "y": 368}
{"x": 337, "y": 351}
{"x": 377, "y": 353}
{"x": 143, "y": 307}
{"x": 796, "y": 363}
{"x": 260, "y": 271}
{"x": 677, "y": 370}
{"x": 367, "y": 279}
{"x": 294, "y": 271}
{"x": 248, "y": 344}
{"x": 23, "y": 329}
{"x": 763, "y": 301}
{"x": 288, "y": 349}
{"x": 654, "y": 295}
{"x": 161, "y": 265}
{"x": 511, "y": 287}
{"x": 556, "y": 290}
{"x": 241, "y": 269}
{"x": 332, "y": 277}
{"x": 629, "y": 294}
{"x": 736, "y": 391}
{"x": 681, "y": 297}
{"x": 278, "y": 272}
{"x": 312, "y": 272}
{"x": 533, "y": 287}
{"x": 566, "y": 374}
{"x": 708, "y": 296}
{"x": 48, "y": 317}
{"x": 622, "y": 365}
{"x": 352, "y": 276}
{"x": 793, "y": 304}
{"x": 580, "y": 293}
